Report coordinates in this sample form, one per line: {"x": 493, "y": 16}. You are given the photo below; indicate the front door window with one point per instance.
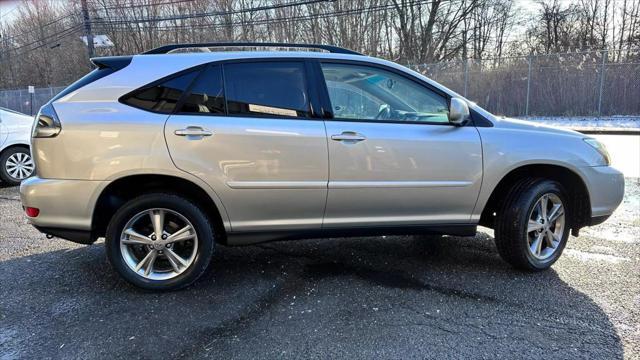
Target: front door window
{"x": 369, "y": 93}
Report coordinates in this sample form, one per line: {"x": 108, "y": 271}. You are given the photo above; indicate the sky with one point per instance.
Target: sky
{"x": 8, "y": 10}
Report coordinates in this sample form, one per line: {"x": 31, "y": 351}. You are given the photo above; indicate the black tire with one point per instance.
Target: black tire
{"x": 197, "y": 218}
{"x": 512, "y": 220}
{"x": 4, "y": 175}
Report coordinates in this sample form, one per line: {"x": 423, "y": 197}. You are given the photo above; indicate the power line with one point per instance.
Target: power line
{"x": 69, "y": 32}
{"x": 56, "y": 37}
{"x": 134, "y": 6}
{"x": 215, "y": 13}
{"x": 338, "y": 13}
{"x": 54, "y": 21}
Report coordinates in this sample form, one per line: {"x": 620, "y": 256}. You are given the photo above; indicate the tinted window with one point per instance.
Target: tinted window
{"x": 368, "y": 93}
{"x": 207, "y": 93}
{"x": 266, "y": 88}
{"x": 162, "y": 97}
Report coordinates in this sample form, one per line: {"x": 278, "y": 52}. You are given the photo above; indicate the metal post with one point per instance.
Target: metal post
{"x": 87, "y": 27}
{"x": 526, "y": 109}
{"x": 466, "y": 76}
{"x": 605, "y": 54}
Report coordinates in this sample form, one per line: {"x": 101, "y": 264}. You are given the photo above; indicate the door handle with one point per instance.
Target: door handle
{"x": 349, "y": 136}
{"x": 193, "y": 131}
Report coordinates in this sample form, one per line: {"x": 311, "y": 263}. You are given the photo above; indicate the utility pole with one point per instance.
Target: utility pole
{"x": 605, "y": 54}
{"x": 87, "y": 27}
{"x": 526, "y": 109}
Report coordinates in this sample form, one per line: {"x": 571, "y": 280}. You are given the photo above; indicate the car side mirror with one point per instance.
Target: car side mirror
{"x": 458, "y": 112}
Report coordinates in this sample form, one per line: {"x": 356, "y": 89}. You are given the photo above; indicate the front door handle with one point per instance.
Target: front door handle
{"x": 348, "y": 136}
{"x": 193, "y": 131}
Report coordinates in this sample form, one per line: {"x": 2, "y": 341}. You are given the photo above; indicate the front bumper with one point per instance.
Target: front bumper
{"x": 63, "y": 204}
{"x": 606, "y": 190}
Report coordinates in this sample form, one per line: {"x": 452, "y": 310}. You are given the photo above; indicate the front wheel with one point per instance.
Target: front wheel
{"x": 531, "y": 227}
{"x": 160, "y": 242}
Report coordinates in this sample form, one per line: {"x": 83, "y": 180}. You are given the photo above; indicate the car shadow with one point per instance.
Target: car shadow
{"x": 390, "y": 297}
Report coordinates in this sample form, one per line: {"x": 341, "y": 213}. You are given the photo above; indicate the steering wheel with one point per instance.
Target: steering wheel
{"x": 384, "y": 113}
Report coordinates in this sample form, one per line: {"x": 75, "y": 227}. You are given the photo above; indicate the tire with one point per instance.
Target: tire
{"x": 16, "y": 165}
{"x": 126, "y": 251}
{"x": 517, "y": 237}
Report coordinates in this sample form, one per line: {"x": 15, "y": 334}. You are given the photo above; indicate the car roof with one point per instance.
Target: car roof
{"x": 147, "y": 65}
{"x": 231, "y": 44}
{"x": 218, "y": 55}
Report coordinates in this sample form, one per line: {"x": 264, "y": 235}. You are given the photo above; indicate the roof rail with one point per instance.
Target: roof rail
{"x": 330, "y": 48}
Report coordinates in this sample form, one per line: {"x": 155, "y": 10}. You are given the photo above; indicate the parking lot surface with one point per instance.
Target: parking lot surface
{"x": 377, "y": 297}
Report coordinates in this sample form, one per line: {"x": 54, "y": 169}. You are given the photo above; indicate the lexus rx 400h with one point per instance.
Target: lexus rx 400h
{"x": 168, "y": 153}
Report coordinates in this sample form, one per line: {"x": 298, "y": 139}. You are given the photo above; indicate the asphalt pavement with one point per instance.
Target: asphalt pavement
{"x": 375, "y": 297}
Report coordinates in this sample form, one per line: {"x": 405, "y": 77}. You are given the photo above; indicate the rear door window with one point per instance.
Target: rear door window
{"x": 207, "y": 94}
{"x": 273, "y": 89}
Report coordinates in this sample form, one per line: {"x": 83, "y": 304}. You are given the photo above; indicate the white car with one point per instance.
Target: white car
{"x": 15, "y": 157}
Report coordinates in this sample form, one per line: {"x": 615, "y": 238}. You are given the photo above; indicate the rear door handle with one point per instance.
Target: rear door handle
{"x": 193, "y": 131}
{"x": 349, "y": 136}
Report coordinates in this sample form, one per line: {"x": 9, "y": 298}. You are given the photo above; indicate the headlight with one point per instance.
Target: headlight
{"x": 599, "y": 148}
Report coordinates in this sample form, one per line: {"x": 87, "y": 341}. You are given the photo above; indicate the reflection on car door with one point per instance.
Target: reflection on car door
{"x": 253, "y": 141}
{"x": 397, "y": 162}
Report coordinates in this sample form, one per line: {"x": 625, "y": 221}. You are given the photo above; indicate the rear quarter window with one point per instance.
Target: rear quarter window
{"x": 163, "y": 96}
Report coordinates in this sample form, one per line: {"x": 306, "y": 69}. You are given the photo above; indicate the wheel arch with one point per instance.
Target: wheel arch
{"x": 571, "y": 181}
{"x": 6, "y": 147}
{"x": 119, "y": 191}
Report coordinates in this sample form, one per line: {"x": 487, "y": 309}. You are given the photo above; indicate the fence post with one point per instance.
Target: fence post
{"x": 466, "y": 76}
{"x": 526, "y": 108}
{"x": 605, "y": 54}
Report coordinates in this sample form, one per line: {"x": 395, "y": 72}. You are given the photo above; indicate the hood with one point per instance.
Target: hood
{"x": 518, "y": 124}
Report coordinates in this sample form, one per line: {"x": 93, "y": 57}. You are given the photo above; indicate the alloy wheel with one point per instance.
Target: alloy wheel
{"x": 19, "y": 166}
{"x": 159, "y": 244}
{"x": 546, "y": 226}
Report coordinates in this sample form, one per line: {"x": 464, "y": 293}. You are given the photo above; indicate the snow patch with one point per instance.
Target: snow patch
{"x": 589, "y": 256}
{"x": 627, "y": 122}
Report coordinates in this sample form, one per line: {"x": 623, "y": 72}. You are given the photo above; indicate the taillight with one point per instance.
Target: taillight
{"x": 32, "y": 212}
{"x": 47, "y": 123}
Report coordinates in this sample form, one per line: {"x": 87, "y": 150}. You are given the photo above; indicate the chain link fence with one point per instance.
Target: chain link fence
{"x": 597, "y": 83}
{"x": 25, "y": 102}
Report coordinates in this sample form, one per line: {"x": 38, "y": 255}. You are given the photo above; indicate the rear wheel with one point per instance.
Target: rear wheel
{"x": 16, "y": 165}
{"x": 160, "y": 242}
{"x": 532, "y": 228}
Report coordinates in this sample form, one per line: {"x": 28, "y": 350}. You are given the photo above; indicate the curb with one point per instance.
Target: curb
{"x": 608, "y": 131}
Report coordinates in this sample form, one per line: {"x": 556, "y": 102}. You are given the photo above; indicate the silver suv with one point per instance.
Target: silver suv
{"x": 168, "y": 153}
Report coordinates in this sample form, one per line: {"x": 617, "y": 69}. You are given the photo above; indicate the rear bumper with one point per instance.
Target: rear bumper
{"x": 77, "y": 236}
{"x": 65, "y": 205}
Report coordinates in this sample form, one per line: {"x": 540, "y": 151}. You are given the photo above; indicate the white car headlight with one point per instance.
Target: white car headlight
{"x": 599, "y": 148}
